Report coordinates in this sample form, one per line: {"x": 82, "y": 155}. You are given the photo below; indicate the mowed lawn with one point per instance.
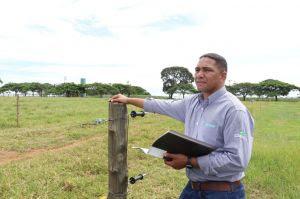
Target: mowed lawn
{"x": 51, "y": 156}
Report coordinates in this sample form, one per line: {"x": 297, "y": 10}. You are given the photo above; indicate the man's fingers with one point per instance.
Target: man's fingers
{"x": 169, "y": 163}
{"x": 115, "y": 98}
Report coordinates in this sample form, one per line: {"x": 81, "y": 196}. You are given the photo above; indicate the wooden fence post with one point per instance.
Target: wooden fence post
{"x": 117, "y": 151}
{"x": 17, "y": 112}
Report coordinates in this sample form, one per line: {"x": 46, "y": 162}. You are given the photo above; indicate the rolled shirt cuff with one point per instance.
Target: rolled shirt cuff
{"x": 147, "y": 106}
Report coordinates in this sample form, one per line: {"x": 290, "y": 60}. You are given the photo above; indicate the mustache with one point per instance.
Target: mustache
{"x": 199, "y": 80}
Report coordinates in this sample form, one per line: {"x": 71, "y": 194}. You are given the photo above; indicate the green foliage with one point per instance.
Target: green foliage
{"x": 123, "y": 89}
{"x": 36, "y": 87}
{"x": 137, "y": 90}
{"x": 13, "y": 87}
{"x": 7, "y": 87}
{"x": 25, "y": 87}
{"x": 258, "y": 90}
{"x": 243, "y": 89}
{"x": 275, "y": 88}
{"x": 96, "y": 89}
{"x": 185, "y": 89}
{"x": 72, "y": 89}
{"x": 46, "y": 87}
{"x": 231, "y": 89}
{"x": 175, "y": 79}
{"x": 268, "y": 88}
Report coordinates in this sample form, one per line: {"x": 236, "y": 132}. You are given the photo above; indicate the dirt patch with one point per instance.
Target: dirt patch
{"x": 6, "y": 155}
{"x": 256, "y": 193}
{"x": 9, "y": 156}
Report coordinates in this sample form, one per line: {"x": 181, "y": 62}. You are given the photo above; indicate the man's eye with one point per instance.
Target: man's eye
{"x": 197, "y": 69}
{"x": 207, "y": 70}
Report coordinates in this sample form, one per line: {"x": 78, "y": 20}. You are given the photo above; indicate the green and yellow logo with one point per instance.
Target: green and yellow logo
{"x": 243, "y": 133}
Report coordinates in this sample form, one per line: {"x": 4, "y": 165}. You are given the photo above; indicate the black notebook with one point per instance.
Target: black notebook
{"x": 177, "y": 143}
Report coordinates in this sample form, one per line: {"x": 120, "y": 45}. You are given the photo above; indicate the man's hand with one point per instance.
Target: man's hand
{"x": 119, "y": 98}
{"x": 178, "y": 161}
{"x": 126, "y": 100}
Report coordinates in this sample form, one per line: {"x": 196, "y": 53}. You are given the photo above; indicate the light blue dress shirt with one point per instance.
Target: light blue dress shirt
{"x": 221, "y": 121}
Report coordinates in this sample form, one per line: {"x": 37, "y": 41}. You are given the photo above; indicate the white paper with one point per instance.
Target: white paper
{"x": 153, "y": 151}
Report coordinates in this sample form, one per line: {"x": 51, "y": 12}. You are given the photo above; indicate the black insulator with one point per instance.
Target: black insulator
{"x": 134, "y": 114}
{"x": 133, "y": 179}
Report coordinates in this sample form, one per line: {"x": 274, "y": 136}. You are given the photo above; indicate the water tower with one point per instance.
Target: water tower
{"x": 82, "y": 82}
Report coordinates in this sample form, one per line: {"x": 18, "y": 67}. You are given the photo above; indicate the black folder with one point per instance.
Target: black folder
{"x": 177, "y": 143}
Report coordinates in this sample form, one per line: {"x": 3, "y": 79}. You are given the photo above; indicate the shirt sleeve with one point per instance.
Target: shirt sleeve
{"x": 234, "y": 156}
{"x": 175, "y": 109}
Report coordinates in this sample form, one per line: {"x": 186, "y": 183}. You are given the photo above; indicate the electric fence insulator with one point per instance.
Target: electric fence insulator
{"x": 135, "y": 114}
{"x": 133, "y": 179}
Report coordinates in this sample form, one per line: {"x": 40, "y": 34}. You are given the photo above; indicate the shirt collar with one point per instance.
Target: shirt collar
{"x": 213, "y": 97}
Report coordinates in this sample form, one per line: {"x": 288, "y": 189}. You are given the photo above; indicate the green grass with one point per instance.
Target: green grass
{"x": 274, "y": 168}
{"x": 80, "y": 171}
{"x": 47, "y": 122}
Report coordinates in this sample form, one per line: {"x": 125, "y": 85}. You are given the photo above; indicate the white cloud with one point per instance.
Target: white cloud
{"x": 258, "y": 38}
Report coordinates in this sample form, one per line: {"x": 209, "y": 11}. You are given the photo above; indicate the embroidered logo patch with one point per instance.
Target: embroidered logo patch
{"x": 243, "y": 133}
{"x": 210, "y": 125}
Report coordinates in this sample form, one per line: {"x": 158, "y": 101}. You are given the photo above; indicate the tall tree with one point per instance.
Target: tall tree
{"x": 70, "y": 89}
{"x": 110, "y": 89}
{"x": 185, "y": 89}
{"x": 47, "y": 89}
{"x": 16, "y": 87}
{"x": 95, "y": 89}
{"x": 137, "y": 90}
{"x": 232, "y": 89}
{"x": 275, "y": 88}
{"x": 34, "y": 87}
{"x": 37, "y": 87}
{"x": 244, "y": 89}
{"x": 174, "y": 78}
{"x": 5, "y": 88}
{"x": 258, "y": 90}
{"x": 25, "y": 87}
{"x": 123, "y": 88}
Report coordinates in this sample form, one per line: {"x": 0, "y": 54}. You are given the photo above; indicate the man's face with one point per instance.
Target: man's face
{"x": 208, "y": 76}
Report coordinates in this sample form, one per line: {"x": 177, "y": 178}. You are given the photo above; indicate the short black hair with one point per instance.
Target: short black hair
{"x": 220, "y": 61}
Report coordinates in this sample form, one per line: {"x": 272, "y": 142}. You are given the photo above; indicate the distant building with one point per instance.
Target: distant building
{"x": 82, "y": 81}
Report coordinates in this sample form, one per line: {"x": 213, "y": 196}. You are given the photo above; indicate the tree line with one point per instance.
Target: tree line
{"x": 72, "y": 89}
{"x": 178, "y": 79}
{"x": 269, "y": 88}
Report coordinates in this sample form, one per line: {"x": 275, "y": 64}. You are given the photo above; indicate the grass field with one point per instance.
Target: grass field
{"x": 51, "y": 156}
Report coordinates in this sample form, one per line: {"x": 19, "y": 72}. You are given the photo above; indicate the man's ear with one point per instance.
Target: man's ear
{"x": 224, "y": 75}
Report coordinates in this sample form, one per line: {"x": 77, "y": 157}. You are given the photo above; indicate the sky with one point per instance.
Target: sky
{"x": 132, "y": 41}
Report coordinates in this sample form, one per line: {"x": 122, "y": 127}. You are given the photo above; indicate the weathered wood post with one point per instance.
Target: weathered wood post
{"x": 17, "y": 112}
{"x": 117, "y": 151}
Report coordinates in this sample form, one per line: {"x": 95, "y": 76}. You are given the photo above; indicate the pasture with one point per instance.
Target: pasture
{"x": 51, "y": 156}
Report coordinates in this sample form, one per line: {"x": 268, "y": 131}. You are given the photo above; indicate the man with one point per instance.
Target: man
{"x": 216, "y": 117}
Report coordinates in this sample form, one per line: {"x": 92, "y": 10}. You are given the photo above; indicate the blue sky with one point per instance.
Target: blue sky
{"x": 133, "y": 40}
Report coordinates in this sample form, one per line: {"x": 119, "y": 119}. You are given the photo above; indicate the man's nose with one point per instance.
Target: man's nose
{"x": 199, "y": 74}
